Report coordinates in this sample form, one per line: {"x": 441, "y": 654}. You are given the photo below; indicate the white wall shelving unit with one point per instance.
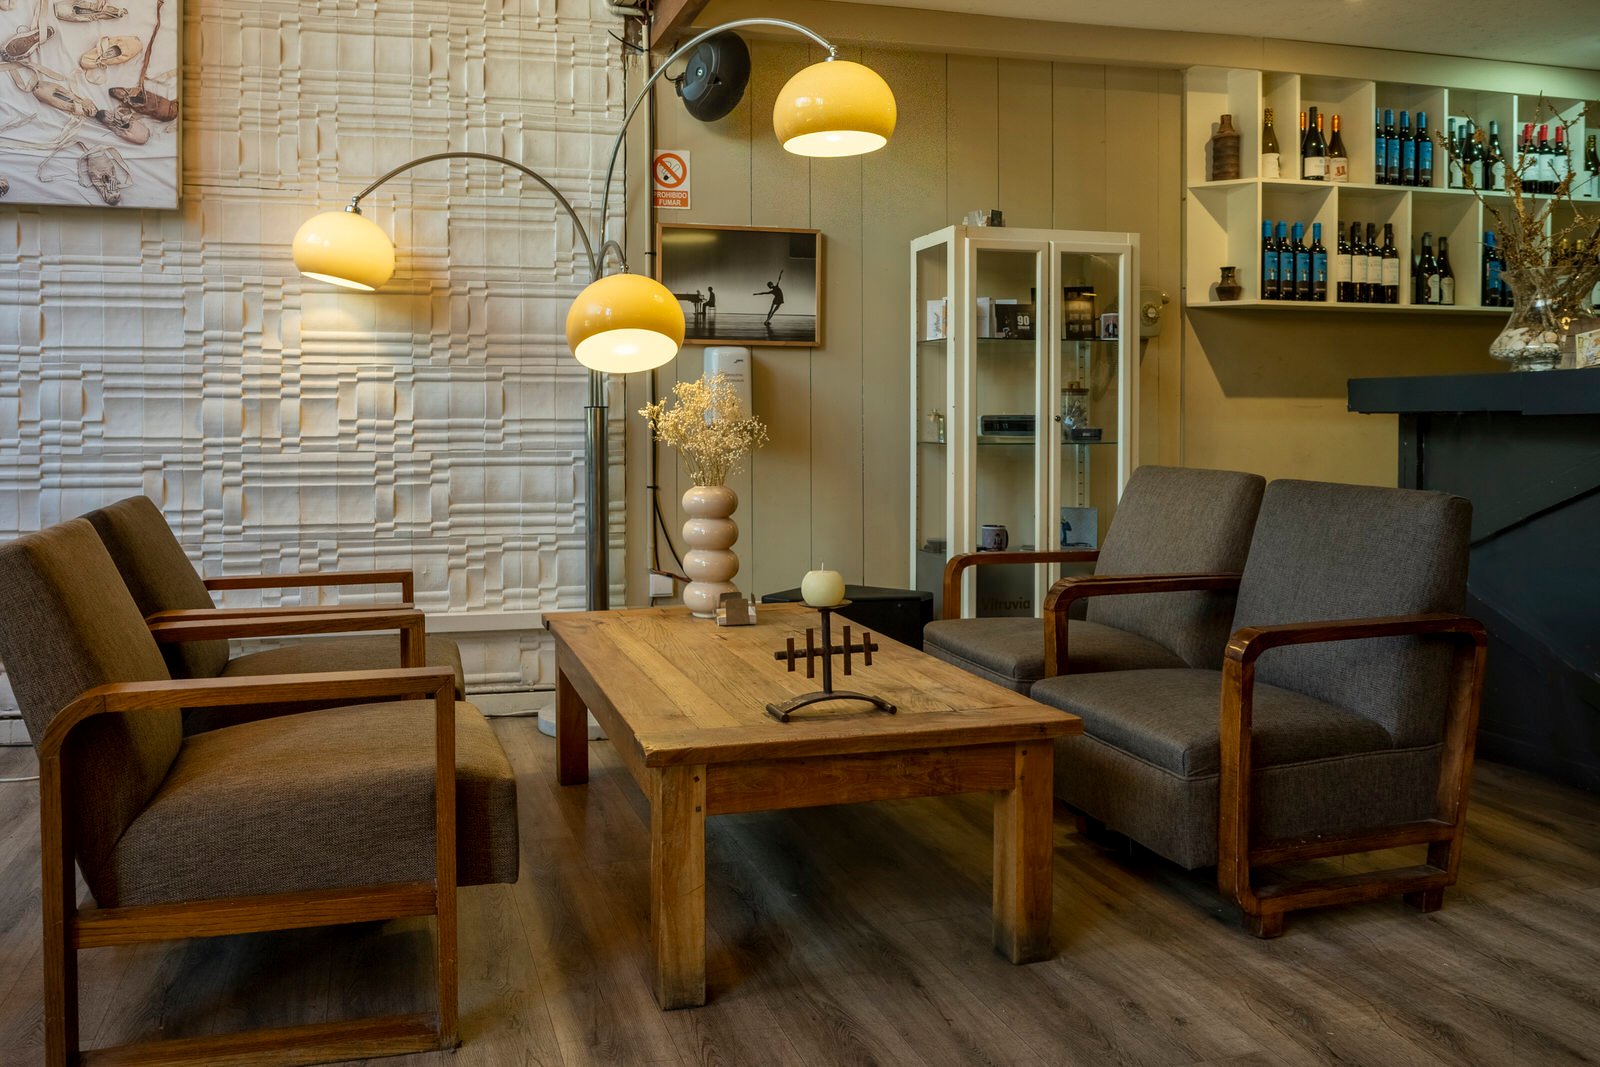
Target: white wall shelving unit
{"x": 1222, "y": 219}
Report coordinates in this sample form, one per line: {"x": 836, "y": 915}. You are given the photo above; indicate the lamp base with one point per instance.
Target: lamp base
{"x": 547, "y": 725}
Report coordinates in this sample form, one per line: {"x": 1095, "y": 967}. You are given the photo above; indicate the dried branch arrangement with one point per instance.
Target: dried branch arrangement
{"x": 708, "y": 426}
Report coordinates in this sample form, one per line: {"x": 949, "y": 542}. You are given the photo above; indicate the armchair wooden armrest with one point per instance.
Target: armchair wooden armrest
{"x": 298, "y": 580}
{"x": 958, "y": 564}
{"x": 1064, "y": 593}
{"x": 196, "y": 614}
{"x": 410, "y": 622}
{"x": 1236, "y": 854}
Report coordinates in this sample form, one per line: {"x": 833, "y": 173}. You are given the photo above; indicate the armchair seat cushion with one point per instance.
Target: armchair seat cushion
{"x": 1171, "y": 718}
{"x": 318, "y": 800}
{"x": 1010, "y": 652}
{"x": 322, "y": 654}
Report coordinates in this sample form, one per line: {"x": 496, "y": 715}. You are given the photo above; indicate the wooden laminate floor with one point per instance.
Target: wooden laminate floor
{"x": 860, "y": 935}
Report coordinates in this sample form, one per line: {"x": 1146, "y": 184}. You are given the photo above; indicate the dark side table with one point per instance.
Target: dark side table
{"x": 898, "y": 614}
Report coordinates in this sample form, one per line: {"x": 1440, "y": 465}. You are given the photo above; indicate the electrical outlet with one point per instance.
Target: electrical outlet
{"x": 660, "y": 585}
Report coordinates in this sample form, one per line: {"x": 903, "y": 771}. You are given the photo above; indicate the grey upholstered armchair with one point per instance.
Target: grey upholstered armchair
{"x": 1348, "y": 707}
{"x": 1170, "y": 520}
{"x": 358, "y": 812}
{"x": 166, "y": 588}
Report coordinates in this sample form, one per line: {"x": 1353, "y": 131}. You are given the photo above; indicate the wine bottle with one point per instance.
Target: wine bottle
{"x": 1380, "y": 149}
{"x": 1591, "y": 169}
{"x": 1419, "y": 287}
{"x": 1285, "y": 263}
{"x": 1302, "y": 263}
{"x": 1561, "y": 161}
{"x": 1492, "y": 163}
{"x": 1269, "y": 262}
{"x": 1391, "y": 149}
{"x": 1358, "y": 265}
{"x": 1469, "y": 156}
{"x": 1424, "y": 152}
{"x": 1546, "y": 167}
{"x": 1390, "y": 266}
{"x": 1343, "y": 267}
{"x": 1447, "y": 277}
{"x": 1493, "y": 290}
{"x": 1271, "y": 158}
{"x": 1313, "y": 152}
{"x": 1428, "y": 273}
{"x": 1338, "y": 158}
{"x": 1319, "y": 264}
{"x": 1452, "y": 169}
{"x": 1408, "y": 151}
{"x": 1374, "y": 266}
{"x": 1527, "y": 164}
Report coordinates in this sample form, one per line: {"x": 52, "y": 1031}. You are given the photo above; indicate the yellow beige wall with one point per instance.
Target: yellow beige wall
{"x": 1068, "y": 144}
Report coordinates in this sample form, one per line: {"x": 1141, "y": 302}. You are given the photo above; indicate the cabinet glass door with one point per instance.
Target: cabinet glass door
{"x": 932, "y": 412}
{"x": 1089, "y": 411}
{"x": 1007, "y": 462}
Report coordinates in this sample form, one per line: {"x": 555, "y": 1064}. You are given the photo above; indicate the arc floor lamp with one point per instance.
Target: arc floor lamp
{"x": 623, "y": 323}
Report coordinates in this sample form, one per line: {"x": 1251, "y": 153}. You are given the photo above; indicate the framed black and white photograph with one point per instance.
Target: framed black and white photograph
{"x": 89, "y": 103}
{"x": 748, "y": 285}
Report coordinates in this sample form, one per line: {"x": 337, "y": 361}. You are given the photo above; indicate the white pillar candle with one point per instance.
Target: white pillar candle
{"x": 822, "y": 589}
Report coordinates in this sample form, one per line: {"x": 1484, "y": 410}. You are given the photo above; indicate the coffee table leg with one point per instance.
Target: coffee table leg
{"x": 572, "y": 734}
{"x": 678, "y": 885}
{"x": 1024, "y": 856}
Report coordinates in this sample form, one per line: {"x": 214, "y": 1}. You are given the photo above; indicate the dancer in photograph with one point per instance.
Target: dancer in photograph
{"x": 776, "y": 292}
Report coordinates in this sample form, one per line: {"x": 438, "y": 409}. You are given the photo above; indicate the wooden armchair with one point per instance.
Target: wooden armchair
{"x": 1169, "y": 520}
{"x": 166, "y": 588}
{"x": 1355, "y": 734}
{"x": 364, "y": 811}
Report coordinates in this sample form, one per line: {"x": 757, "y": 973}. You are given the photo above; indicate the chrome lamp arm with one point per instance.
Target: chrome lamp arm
{"x": 596, "y": 264}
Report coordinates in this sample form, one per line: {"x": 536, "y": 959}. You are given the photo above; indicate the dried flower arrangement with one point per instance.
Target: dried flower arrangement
{"x": 1552, "y": 269}
{"x": 708, "y": 426}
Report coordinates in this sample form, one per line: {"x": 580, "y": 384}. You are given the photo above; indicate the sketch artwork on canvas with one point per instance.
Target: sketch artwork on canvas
{"x": 89, "y": 102}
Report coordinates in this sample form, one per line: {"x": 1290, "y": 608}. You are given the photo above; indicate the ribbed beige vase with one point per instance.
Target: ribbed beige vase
{"x": 710, "y": 533}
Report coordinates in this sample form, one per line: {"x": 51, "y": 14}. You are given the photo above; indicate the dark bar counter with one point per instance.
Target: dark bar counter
{"x": 1525, "y": 449}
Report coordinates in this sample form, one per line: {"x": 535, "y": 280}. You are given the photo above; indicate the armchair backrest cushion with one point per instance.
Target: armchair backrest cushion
{"x": 67, "y": 625}
{"x": 1324, "y": 551}
{"x": 1179, "y": 520}
{"x": 158, "y": 573}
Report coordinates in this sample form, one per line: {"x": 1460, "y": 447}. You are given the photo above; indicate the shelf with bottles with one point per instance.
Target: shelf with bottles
{"x": 1246, "y": 95}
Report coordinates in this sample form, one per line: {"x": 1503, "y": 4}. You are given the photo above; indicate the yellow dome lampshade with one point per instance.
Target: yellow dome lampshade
{"x": 625, "y": 323}
{"x": 345, "y": 248}
{"x": 834, "y": 108}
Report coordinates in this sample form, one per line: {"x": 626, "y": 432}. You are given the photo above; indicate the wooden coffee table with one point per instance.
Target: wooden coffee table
{"x": 684, "y": 703}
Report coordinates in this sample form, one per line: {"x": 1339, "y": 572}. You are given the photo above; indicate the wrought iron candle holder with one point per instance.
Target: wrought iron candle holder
{"x": 812, "y": 653}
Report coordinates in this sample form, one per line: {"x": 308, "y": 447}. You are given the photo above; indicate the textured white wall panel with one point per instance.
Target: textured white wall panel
{"x": 437, "y": 425}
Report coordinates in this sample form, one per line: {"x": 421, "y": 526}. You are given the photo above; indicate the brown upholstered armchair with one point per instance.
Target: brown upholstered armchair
{"x": 1170, "y": 519}
{"x": 353, "y": 813}
{"x": 166, "y": 589}
{"x": 1348, "y": 706}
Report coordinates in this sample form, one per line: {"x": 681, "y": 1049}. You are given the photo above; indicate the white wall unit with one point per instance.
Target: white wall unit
{"x": 1223, "y": 219}
{"x": 992, "y": 440}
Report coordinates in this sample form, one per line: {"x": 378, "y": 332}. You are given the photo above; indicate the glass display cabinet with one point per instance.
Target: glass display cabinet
{"x": 1022, "y": 404}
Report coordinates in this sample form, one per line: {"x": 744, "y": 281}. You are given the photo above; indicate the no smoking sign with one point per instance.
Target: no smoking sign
{"x": 670, "y": 176}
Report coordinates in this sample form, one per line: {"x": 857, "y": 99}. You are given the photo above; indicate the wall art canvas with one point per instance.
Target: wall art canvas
{"x": 89, "y": 102}
{"x": 746, "y": 285}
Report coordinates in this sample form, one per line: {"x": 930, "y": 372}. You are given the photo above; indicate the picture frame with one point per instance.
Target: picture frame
{"x": 91, "y": 108}
{"x": 725, "y": 277}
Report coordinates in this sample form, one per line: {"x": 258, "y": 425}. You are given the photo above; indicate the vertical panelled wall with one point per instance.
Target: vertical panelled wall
{"x": 1065, "y": 145}
{"x": 283, "y": 425}
{"x": 1053, "y": 145}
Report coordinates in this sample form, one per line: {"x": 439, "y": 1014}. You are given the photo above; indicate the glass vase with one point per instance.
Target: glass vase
{"x": 1551, "y": 309}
